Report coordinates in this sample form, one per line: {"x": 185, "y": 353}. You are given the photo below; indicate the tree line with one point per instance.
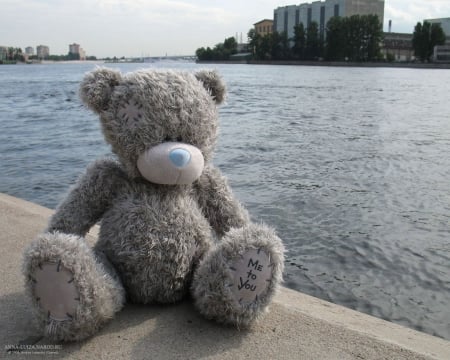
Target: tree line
{"x": 425, "y": 37}
{"x": 14, "y": 54}
{"x": 221, "y": 51}
{"x": 356, "y": 38}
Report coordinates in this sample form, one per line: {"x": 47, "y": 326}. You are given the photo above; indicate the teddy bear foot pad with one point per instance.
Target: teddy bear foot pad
{"x": 252, "y": 276}
{"x": 55, "y": 291}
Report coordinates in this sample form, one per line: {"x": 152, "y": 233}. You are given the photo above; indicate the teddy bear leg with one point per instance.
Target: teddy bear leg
{"x": 236, "y": 280}
{"x": 73, "y": 291}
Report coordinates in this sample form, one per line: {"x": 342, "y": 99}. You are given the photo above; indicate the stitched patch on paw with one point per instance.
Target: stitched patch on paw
{"x": 252, "y": 275}
{"x": 55, "y": 291}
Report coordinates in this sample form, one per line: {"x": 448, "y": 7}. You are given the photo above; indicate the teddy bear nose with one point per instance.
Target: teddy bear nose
{"x": 180, "y": 157}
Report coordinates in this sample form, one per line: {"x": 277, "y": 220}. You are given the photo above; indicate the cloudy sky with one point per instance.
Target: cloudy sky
{"x": 158, "y": 27}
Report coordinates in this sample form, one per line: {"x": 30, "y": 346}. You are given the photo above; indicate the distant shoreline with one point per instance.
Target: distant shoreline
{"x": 268, "y": 62}
{"x": 99, "y": 61}
{"x": 46, "y": 62}
{"x": 333, "y": 64}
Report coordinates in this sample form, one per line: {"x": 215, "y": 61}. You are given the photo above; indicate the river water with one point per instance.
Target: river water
{"x": 351, "y": 165}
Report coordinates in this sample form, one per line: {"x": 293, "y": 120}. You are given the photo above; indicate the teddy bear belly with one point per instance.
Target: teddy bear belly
{"x": 154, "y": 248}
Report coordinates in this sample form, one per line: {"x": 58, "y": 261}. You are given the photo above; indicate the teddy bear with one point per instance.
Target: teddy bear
{"x": 169, "y": 223}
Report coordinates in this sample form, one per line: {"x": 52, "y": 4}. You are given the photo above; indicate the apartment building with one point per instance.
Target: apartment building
{"x": 29, "y": 50}
{"x": 287, "y": 17}
{"x": 42, "y": 52}
{"x": 77, "y": 49}
{"x": 74, "y": 48}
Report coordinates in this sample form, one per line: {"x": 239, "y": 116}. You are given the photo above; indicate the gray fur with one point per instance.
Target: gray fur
{"x": 213, "y": 83}
{"x": 96, "y": 89}
{"x": 156, "y": 242}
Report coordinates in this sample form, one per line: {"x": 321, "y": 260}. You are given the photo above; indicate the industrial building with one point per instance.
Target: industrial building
{"x": 444, "y": 22}
{"x": 398, "y": 45}
{"x": 287, "y": 17}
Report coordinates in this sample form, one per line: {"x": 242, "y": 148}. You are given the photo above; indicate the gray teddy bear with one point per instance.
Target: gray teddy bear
{"x": 169, "y": 223}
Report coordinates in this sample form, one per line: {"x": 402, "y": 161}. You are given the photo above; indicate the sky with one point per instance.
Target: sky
{"x": 134, "y": 28}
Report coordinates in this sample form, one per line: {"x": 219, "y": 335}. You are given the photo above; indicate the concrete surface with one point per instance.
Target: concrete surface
{"x": 297, "y": 327}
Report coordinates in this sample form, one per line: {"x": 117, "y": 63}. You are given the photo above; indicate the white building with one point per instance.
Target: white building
{"x": 444, "y": 22}
{"x": 77, "y": 49}
{"x": 287, "y": 17}
{"x": 441, "y": 53}
{"x": 42, "y": 52}
{"x": 29, "y": 50}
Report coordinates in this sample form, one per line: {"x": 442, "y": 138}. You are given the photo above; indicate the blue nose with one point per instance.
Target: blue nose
{"x": 180, "y": 157}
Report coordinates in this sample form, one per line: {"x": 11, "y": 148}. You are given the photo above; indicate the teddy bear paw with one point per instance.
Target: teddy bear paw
{"x": 252, "y": 275}
{"x": 236, "y": 281}
{"x": 55, "y": 291}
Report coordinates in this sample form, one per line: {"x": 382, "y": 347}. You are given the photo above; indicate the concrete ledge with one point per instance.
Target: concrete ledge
{"x": 297, "y": 327}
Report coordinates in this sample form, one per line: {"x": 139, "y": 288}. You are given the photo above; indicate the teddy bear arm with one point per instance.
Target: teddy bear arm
{"x": 218, "y": 203}
{"x": 88, "y": 199}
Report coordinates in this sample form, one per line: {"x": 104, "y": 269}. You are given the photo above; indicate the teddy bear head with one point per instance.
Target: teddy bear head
{"x": 162, "y": 124}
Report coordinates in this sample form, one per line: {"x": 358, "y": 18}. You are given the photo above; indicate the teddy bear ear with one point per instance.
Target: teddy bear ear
{"x": 97, "y": 87}
{"x": 213, "y": 83}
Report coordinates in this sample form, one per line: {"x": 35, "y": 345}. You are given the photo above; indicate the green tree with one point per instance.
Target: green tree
{"x": 10, "y": 53}
{"x": 336, "y": 39}
{"x": 18, "y": 55}
{"x": 280, "y": 47}
{"x": 372, "y": 37}
{"x": 260, "y": 46}
{"x": 253, "y": 41}
{"x": 354, "y": 38}
{"x": 73, "y": 56}
{"x": 299, "y": 40}
{"x": 230, "y": 45}
{"x": 201, "y": 53}
{"x": 222, "y": 51}
{"x": 264, "y": 48}
{"x": 14, "y": 54}
{"x": 312, "y": 41}
{"x": 205, "y": 54}
{"x": 425, "y": 37}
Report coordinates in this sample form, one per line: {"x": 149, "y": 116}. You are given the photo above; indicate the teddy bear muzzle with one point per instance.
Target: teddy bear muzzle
{"x": 171, "y": 163}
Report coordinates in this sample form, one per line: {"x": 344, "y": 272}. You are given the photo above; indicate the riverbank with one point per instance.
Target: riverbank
{"x": 47, "y": 62}
{"x": 334, "y": 63}
{"x": 297, "y": 327}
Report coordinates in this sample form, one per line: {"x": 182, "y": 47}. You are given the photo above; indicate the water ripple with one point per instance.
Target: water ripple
{"x": 350, "y": 165}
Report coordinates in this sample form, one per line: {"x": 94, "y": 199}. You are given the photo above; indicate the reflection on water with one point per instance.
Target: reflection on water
{"x": 350, "y": 165}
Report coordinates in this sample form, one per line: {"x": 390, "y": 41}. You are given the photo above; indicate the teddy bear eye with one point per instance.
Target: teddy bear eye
{"x": 178, "y": 138}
